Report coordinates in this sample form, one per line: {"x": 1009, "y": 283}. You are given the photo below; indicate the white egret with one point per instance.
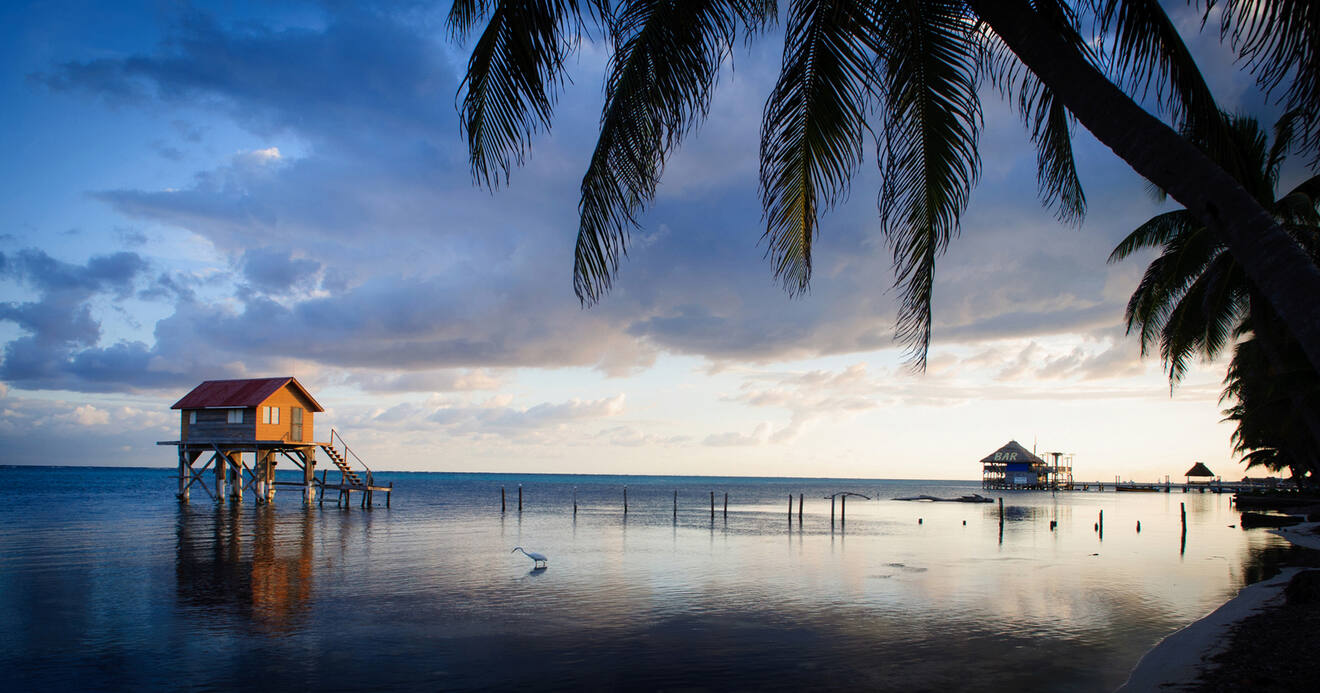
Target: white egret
{"x": 538, "y": 560}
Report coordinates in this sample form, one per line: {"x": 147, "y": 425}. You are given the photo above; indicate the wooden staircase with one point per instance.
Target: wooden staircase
{"x": 347, "y": 475}
{"x": 350, "y": 479}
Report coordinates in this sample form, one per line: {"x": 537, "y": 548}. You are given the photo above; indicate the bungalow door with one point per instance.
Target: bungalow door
{"x": 295, "y": 423}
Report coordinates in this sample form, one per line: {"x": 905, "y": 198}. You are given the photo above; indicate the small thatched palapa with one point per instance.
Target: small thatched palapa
{"x": 1199, "y": 469}
{"x": 1012, "y": 452}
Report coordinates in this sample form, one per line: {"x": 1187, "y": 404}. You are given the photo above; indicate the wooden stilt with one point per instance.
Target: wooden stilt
{"x": 799, "y": 509}
{"x": 185, "y": 470}
{"x": 220, "y": 476}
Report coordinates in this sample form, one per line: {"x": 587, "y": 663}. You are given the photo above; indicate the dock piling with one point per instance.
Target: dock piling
{"x": 726, "y": 505}
{"x": 712, "y": 506}
{"x": 625, "y": 499}
{"x": 799, "y": 508}
{"x": 519, "y": 497}
{"x": 675, "y": 505}
{"x": 501, "y": 499}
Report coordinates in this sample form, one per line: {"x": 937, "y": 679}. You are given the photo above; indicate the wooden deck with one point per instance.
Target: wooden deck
{"x": 226, "y": 459}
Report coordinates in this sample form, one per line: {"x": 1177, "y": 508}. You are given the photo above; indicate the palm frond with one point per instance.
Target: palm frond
{"x": 813, "y": 125}
{"x": 1150, "y": 54}
{"x": 513, "y": 77}
{"x": 666, "y": 61}
{"x": 1279, "y": 41}
{"x": 929, "y": 159}
{"x": 1154, "y": 233}
{"x": 1048, "y": 122}
{"x": 1203, "y": 320}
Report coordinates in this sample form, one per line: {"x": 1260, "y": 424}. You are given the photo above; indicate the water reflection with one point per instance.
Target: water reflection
{"x": 247, "y": 562}
{"x": 439, "y": 602}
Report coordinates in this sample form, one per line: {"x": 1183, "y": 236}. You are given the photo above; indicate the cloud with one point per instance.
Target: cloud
{"x": 631, "y": 436}
{"x": 276, "y": 271}
{"x": 365, "y": 247}
{"x": 759, "y": 436}
{"x": 809, "y": 397}
{"x": 426, "y": 381}
{"x": 62, "y": 332}
{"x": 88, "y": 415}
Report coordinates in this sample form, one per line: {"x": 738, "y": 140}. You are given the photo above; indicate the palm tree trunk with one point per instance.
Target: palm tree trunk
{"x": 1274, "y": 262}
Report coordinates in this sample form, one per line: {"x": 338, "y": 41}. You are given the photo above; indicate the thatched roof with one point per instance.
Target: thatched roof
{"x": 1199, "y": 469}
{"x": 1011, "y": 452}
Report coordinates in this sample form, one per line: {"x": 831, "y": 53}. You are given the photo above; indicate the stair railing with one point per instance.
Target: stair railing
{"x": 334, "y": 435}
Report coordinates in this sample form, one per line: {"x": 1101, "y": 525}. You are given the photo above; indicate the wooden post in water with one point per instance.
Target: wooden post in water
{"x": 831, "y": 513}
{"x": 799, "y": 508}
{"x": 501, "y": 499}
{"x": 843, "y": 511}
{"x": 790, "y": 508}
{"x": 1001, "y": 511}
{"x": 321, "y": 498}
{"x": 675, "y": 505}
{"x": 184, "y": 473}
{"x": 220, "y": 461}
{"x": 1182, "y": 510}
{"x": 388, "y": 494}
{"x": 574, "y": 501}
{"x": 236, "y": 475}
{"x": 625, "y": 499}
{"x": 519, "y": 497}
{"x": 726, "y": 505}
{"x": 712, "y": 506}
{"x": 1101, "y": 524}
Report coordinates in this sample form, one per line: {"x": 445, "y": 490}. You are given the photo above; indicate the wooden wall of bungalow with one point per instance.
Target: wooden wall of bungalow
{"x": 275, "y": 418}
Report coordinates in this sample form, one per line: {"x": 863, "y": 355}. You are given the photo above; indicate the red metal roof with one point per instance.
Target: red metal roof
{"x": 240, "y": 393}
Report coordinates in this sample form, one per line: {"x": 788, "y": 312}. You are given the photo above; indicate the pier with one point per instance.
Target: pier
{"x": 233, "y": 433}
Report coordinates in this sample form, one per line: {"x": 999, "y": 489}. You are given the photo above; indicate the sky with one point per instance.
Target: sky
{"x": 196, "y": 191}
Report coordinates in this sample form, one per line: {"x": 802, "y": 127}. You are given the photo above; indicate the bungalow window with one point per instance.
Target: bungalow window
{"x": 235, "y": 416}
{"x": 192, "y": 417}
{"x": 270, "y": 415}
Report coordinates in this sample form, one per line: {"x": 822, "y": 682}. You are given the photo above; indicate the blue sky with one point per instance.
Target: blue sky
{"x": 211, "y": 190}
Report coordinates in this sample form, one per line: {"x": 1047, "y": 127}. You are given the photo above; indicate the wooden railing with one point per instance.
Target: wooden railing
{"x": 334, "y": 435}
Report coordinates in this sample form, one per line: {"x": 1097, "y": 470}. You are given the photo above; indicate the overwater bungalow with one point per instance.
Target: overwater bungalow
{"x": 1199, "y": 474}
{"x": 1014, "y": 467}
{"x": 224, "y": 423}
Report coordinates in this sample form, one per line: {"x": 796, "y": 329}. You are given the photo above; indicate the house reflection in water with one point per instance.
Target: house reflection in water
{"x": 256, "y": 569}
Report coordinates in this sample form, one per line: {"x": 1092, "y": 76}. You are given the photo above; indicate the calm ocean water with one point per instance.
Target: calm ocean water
{"x": 106, "y": 582}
